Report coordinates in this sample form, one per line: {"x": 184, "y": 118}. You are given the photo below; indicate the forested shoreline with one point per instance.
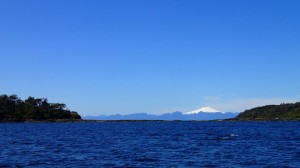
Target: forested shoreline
{"x": 288, "y": 111}
{"x": 14, "y": 109}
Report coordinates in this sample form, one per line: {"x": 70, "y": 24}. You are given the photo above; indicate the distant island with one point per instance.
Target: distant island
{"x": 13, "y": 109}
{"x": 290, "y": 111}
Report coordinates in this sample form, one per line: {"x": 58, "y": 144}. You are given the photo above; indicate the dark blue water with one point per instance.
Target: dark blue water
{"x": 150, "y": 144}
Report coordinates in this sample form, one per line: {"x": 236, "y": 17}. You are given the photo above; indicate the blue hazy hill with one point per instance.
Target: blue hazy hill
{"x": 166, "y": 116}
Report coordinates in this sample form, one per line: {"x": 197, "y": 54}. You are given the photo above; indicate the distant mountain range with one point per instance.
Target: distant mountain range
{"x": 205, "y": 113}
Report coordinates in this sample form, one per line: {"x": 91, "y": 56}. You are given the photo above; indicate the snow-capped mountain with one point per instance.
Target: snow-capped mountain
{"x": 204, "y": 110}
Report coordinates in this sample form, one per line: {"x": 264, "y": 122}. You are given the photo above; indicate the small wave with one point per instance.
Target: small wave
{"x": 227, "y": 137}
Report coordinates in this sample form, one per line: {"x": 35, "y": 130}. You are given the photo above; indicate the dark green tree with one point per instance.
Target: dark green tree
{"x": 284, "y": 111}
{"x": 13, "y": 108}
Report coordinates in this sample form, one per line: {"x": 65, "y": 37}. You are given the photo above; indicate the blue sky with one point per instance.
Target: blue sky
{"x": 116, "y": 56}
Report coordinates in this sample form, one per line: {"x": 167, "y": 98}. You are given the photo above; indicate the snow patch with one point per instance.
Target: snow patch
{"x": 204, "y": 110}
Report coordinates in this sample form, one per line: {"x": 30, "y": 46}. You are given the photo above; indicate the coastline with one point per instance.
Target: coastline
{"x": 99, "y": 121}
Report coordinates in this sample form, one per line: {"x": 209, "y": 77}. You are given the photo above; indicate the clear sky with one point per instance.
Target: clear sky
{"x": 153, "y": 56}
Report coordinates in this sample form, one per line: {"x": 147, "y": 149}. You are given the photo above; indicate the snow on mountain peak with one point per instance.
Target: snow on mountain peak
{"x": 203, "y": 109}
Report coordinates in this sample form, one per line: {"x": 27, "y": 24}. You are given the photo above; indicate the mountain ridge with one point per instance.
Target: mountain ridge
{"x": 166, "y": 116}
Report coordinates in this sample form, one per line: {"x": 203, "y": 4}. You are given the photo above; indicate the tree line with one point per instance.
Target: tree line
{"x": 12, "y": 108}
{"x": 288, "y": 111}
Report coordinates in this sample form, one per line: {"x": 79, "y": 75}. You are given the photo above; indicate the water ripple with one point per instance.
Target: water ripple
{"x": 150, "y": 144}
